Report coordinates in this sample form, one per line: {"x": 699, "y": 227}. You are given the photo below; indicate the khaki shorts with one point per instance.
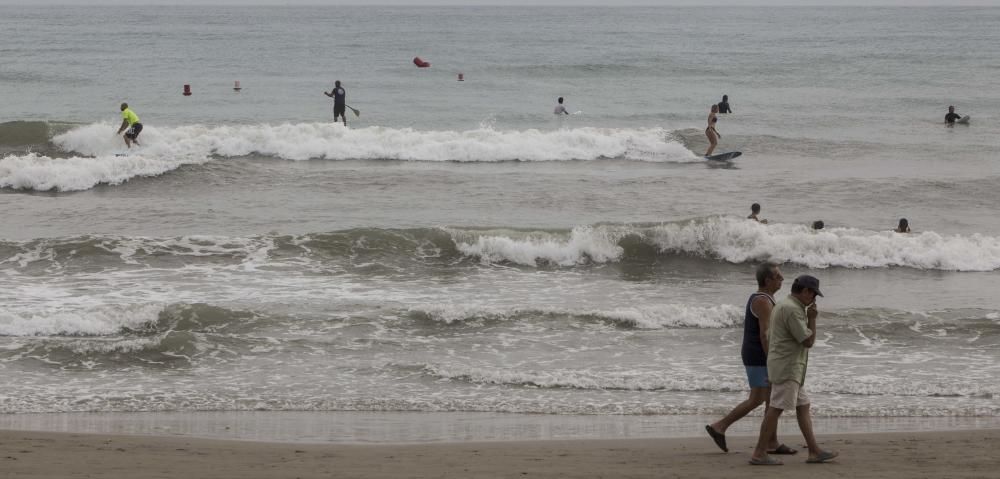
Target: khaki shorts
{"x": 788, "y": 395}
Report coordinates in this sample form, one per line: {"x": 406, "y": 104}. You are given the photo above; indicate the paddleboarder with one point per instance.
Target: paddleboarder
{"x": 339, "y": 96}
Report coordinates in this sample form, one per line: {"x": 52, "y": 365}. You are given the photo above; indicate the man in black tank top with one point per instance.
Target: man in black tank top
{"x": 339, "y": 96}
{"x": 754, "y": 355}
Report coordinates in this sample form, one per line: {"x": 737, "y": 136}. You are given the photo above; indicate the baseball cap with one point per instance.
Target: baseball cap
{"x": 807, "y": 281}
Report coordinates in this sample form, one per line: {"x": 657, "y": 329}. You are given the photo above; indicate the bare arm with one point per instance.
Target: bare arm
{"x": 329, "y": 94}
{"x": 811, "y": 314}
{"x": 123, "y": 127}
{"x": 761, "y": 308}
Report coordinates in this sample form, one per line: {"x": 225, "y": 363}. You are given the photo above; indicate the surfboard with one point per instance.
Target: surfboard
{"x": 725, "y": 156}
{"x": 964, "y": 120}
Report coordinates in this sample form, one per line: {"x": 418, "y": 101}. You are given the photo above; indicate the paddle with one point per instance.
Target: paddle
{"x": 356, "y": 112}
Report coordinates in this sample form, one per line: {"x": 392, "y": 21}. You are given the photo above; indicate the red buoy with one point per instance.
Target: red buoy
{"x": 187, "y": 90}
{"x": 420, "y": 63}
{"x": 236, "y": 86}
{"x": 461, "y": 77}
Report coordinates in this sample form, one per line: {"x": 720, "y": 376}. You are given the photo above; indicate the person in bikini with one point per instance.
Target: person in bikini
{"x": 710, "y": 132}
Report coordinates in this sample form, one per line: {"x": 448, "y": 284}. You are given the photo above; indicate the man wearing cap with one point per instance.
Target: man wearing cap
{"x": 754, "y": 355}
{"x": 792, "y": 332}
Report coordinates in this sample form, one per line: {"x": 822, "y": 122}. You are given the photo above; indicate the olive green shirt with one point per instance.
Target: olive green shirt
{"x": 787, "y": 357}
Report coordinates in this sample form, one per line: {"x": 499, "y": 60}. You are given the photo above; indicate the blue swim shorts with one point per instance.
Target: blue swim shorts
{"x": 757, "y": 376}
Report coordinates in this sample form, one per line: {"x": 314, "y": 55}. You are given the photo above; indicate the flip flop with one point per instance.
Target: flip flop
{"x": 783, "y": 449}
{"x": 719, "y": 438}
{"x": 822, "y": 457}
{"x": 766, "y": 461}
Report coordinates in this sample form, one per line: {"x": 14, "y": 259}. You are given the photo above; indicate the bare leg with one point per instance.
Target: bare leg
{"x": 712, "y": 140}
{"x": 806, "y": 426}
{"x": 768, "y": 429}
{"x": 757, "y": 397}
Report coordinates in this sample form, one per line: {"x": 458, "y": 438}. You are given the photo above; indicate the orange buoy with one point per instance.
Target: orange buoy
{"x": 420, "y": 63}
{"x": 187, "y": 90}
{"x": 461, "y": 77}
{"x": 236, "y": 86}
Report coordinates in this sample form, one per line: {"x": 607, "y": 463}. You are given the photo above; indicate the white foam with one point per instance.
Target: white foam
{"x": 42, "y": 173}
{"x": 333, "y": 142}
{"x": 584, "y": 244}
{"x": 96, "y": 321}
{"x": 167, "y": 148}
{"x": 304, "y": 141}
{"x": 737, "y": 240}
{"x": 646, "y": 317}
{"x": 583, "y": 379}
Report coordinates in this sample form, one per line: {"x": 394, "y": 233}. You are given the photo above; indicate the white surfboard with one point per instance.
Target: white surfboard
{"x": 964, "y": 120}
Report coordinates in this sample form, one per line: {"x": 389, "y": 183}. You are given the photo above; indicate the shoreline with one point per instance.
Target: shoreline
{"x": 361, "y": 427}
{"x": 954, "y": 454}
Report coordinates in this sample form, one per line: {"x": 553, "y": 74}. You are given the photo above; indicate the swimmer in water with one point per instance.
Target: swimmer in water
{"x": 904, "y": 226}
{"x": 724, "y": 105}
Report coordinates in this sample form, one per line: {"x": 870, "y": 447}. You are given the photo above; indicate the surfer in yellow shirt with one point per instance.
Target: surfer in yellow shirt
{"x": 131, "y": 121}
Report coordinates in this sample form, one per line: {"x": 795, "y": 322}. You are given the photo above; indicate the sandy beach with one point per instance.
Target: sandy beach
{"x": 955, "y": 454}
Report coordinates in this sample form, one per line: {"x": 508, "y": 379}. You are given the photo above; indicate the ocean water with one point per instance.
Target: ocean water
{"x": 458, "y": 248}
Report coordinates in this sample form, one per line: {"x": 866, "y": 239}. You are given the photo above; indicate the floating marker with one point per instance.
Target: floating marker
{"x": 236, "y": 86}
{"x": 187, "y": 90}
{"x": 461, "y": 77}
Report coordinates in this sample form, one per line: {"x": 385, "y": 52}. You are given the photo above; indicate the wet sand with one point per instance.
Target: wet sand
{"x": 952, "y": 454}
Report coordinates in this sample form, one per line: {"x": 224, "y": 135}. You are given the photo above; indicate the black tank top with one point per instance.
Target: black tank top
{"x": 753, "y": 353}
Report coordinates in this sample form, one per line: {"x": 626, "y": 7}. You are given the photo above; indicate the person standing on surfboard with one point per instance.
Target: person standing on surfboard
{"x": 339, "y": 96}
{"x": 951, "y": 117}
{"x": 713, "y": 136}
{"x": 131, "y": 121}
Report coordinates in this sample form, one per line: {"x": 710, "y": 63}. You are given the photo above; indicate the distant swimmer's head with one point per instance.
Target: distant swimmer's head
{"x": 560, "y": 100}
{"x": 818, "y": 225}
{"x": 336, "y": 83}
{"x": 755, "y": 208}
{"x": 124, "y": 106}
{"x": 904, "y": 226}
{"x": 715, "y": 108}
{"x": 725, "y": 98}
{"x": 951, "y": 109}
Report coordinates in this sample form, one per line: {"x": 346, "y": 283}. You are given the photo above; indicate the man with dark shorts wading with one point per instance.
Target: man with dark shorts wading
{"x": 754, "y": 354}
{"x": 339, "y": 101}
{"x": 792, "y": 333}
{"x": 131, "y": 121}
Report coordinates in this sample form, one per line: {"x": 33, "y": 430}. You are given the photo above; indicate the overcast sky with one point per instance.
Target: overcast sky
{"x": 511, "y": 2}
